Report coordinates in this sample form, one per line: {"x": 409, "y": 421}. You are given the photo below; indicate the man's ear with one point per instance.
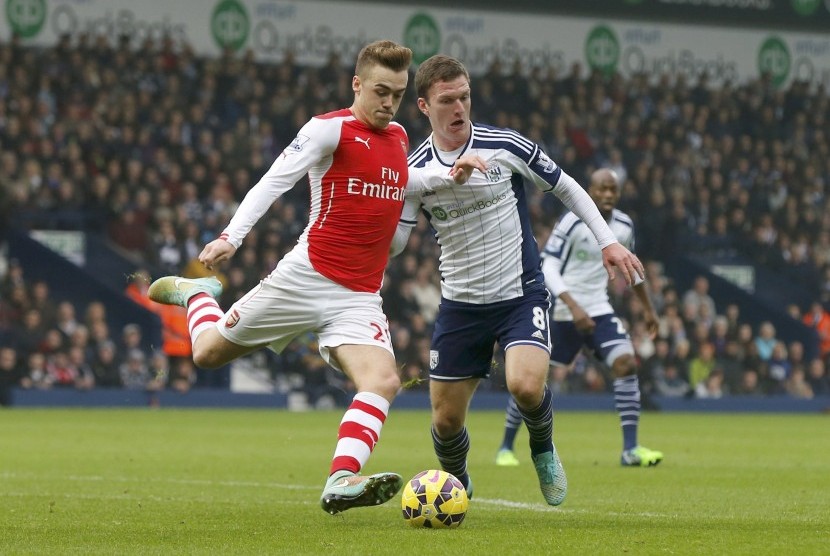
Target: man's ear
{"x": 356, "y": 84}
{"x": 423, "y": 106}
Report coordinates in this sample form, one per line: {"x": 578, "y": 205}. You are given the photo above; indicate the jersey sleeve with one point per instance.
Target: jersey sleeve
{"x": 317, "y": 140}
{"x": 409, "y": 217}
{"x": 553, "y": 255}
{"x": 422, "y": 180}
{"x": 539, "y": 168}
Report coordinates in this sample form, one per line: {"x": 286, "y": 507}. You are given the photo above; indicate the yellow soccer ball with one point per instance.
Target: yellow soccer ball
{"x": 434, "y": 499}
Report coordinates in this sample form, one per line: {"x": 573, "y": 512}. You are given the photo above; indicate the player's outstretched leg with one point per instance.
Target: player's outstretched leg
{"x": 345, "y": 490}
{"x": 175, "y": 290}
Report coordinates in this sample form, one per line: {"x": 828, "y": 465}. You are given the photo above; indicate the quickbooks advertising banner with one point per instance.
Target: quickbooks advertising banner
{"x": 313, "y": 29}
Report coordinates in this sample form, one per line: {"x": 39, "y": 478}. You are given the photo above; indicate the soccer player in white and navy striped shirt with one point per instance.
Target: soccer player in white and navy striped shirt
{"x": 583, "y": 315}
{"x": 492, "y": 285}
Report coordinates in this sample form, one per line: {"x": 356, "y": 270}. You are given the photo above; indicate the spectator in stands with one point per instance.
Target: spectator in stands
{"x": 66, "y": 320}
{"x": 711, "y": 387}
{"x": 41, "y": 300}
{"x": 817, "y": 377}
{"x": 797, "y": 385}
{"x": 750, "y": 384}
{"x": 765, "y": 341}
{"x": 29, "y": 334}
{"x": 105, "y": 366}
{"x": 61, "y": 373}
{"x": 182, "y": 375}
{"x": 702, "y": 365}
{"x": 670, "y": 383}
{"x": 135, "y": 372}
{"x": 36, "y": 374}
{"x": 819, "y": 319}
{"x": 10, "y": 373}
{"x": 131, "y": 339}
{"x": 77, "y": 361}
{"x": 778, "y": 370}
{"x": 697, "y": 301}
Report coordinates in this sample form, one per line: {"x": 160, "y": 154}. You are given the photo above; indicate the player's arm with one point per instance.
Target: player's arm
{"x": 431, "y": 178}
{"x": 552, "y": 257}
{"x": 641, "y": 292}
{"x": 650, "y": 315}
{"x": 551, "y": 178}
{"x": 409, "y": 217}
{"x": 308, "y": 148}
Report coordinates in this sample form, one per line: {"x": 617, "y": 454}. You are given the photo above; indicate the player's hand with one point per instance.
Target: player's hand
{"x": 463, "y": 167}
{"x": 617, "y": 256}
{"x": 582, "y": 321}
{"x": 216, "y": 252}
{"x": 652, "y": 324}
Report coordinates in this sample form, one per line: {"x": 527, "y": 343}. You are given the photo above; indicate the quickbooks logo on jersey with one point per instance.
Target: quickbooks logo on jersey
{"x": 423, "y": 36}
{"x": 602, "y": 49}
{"x": 26, "y": 17}
{"x": 459, "y": 210}
{"x": 774, "y": 58}
{"x": 229, "y": 24}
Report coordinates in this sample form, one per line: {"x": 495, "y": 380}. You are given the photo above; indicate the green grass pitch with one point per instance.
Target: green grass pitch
{"x": 248, "y": 482}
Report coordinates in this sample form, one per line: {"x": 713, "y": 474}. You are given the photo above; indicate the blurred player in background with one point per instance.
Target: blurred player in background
{"x": 492, "y": 285}
{"x": 329, "y": 283}
{"x": 583, "y": 316}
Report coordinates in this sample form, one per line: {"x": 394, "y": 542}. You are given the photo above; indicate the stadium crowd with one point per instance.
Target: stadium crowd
{"x": 153, "y": 147}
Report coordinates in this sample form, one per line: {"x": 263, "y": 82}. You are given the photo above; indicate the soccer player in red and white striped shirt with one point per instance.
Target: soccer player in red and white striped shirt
{"x": 329, "y": 283}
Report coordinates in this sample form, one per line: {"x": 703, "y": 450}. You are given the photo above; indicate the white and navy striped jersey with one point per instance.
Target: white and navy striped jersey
{"x": 573, "y": 263}
{"x": 488, "y": 252}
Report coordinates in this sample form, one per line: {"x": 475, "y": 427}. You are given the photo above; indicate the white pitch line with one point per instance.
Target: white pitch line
{"x": 499, "y": 502}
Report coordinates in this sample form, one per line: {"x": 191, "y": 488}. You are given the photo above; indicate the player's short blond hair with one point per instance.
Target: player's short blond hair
{"x": 387, "y": 54}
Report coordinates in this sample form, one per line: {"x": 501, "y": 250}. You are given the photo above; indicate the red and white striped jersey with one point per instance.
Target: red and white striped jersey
{"x": 358, "y": 177}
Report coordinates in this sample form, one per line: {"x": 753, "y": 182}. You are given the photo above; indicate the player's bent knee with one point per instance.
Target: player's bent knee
{"x": 526, "y": 396}
{"x": 624, "y": 365}
{"x": 447, "y": 426}
{"x": 389, "y": 385}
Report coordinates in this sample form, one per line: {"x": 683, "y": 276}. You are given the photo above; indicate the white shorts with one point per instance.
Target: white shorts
{"x": 296, "y": 299}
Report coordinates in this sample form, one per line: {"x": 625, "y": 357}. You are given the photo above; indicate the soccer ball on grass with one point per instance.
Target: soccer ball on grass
{"x": 434, "y": 499}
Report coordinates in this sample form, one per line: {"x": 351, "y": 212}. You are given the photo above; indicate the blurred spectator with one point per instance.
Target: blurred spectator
{"x": 702, "y": 365}
{"x": 778, "y": 370}
{"x": 711, "y": 387}
{"x": 797, "y": 385}
{"x": 182, "y": 375}
{"x": 135, "y": 372}
{"x": 105, "y": 366}
{"x": 817, "y": 377}
{"x": 10, "y": 373}
{"x": 765, "y": 341}
{"x": 819, "y": 319}
{"x": 750, "y": 384}
{"x": 670, "y": 383}
{"x": 697, "y": 300}
{"x": 36, "y": 374}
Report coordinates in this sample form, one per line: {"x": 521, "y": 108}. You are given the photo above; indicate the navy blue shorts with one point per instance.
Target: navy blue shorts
{"x": 609, "y": 340}
{"x": 465, "y": 333}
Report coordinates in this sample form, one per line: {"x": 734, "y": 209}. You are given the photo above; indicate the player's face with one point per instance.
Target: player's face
{"x": 378, "y": 95}
{"x": 605, "y": 192}
{"x": 448, "y": 108}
